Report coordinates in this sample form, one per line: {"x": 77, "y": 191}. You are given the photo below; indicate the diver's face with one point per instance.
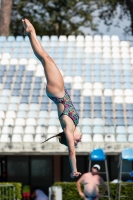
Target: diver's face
{"x": 77, "y": 137}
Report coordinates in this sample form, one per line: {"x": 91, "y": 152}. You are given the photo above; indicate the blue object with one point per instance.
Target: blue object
{"x": 127, "y": 154}
{"x": 129, "y": 181}
{"x": 131, "y": 173}
{"x": 98, "y": 154}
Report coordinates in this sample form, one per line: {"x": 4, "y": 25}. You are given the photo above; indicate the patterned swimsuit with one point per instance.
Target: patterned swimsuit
{"x": 69, "y": 108}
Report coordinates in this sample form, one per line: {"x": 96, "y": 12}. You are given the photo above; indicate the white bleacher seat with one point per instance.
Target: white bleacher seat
{"x": 86, "y": 130}
{"x": 55, "y": 139}
{"x": 20, "y": 122}
{"x": 118, "y": 99}
{"x": 52, "y": 129}
{"x": 5, "y": 93}
{"x": 130, "y": 138}
{"x": 29, "y": 130}
{"x": 120, "y": 130}
{"x": 87, "y": 85}
{"x": 16, "y": 138}
{"x": 4, "y": 61}
{"x": 109, "y": 138}
{"x": 128, "y": 99}
{"x": 14, "y": 99}
{"x": 97, "y": 86}
{"x": 115, "y": 38}
{"x": 87, "y": 92}
{"x": 88, "y": 38}
{"x": 11, "y": 114}
{"x": 21, "y": 114}
{"x": 80, "y": 38}
{"x": 38, "y": 138}
{"x": 42, "y": 121}
{"x": 32, "y": 114}
{"x": 68, "y": 79}
{"x": 128, "y": 92}
{"x": 4, "y": 138}
{"x": 31, "y": 122}
{"x": 130, "y": 129}
{"x": 33, "y": 107}
{"x": 86, "y": 121}
{"x": 118, "y": 92}
{"x": 53, "y": 122}
{"x": 98, "y": 129}
{"x": 40, "y": 68}
{"x": 86, "y": 138}
{"x": 108, "y": 92}
{"x": 109, "y": 130}
{"x": 4, "y": 99}
{"x": 97, "y": 121}
{"x": 125, "y": 44}
{"x": 19, "y": 38}
{"x": 77, "y": 86}
{"x": 97, "y": 49}
{"x": 6, "y": 56}
{"x": 71, "y": 38}
{"x": 3, "y": 107}
{"x": 62, "y": 38}
{"x": 23, "y": 107}
{"x": 106, "y": 44}
{"x": 43, "y": 114}
{"x": 106, "y": 55}
{"x": 23, "y": 61}
{"x": 98, "y": 138}
{"x": 28, "y": 138}
{"x": 13, "y": 61}
{"x": 78, "y": 79}
{"x": 6, "y": 130}
{"x": 9, "y": 121}
{"x": 18, "y": 130}
{"x": 54, "y": 38}
{"x": 31, "y": 67}
{"x": 32, "y": 61}
{"x": 115, "y": 43}
{"x": 13, "y": 107}
{"x": 45, "y": 38}
{"x": 41, "y": 130}
{"x": 88, "y": 50}
{"x": 106, "y": 38}
{"x": 97, "y": 38}
{"x": 53, "y": 114}
{"x": 1, "y": 122}
{"x": 10, "y": 38}
{"x": 79, "y": 44}
{"x": 121, "y": 138}
{"x": 2, "y": 114}
{"x": 97, "y": 92}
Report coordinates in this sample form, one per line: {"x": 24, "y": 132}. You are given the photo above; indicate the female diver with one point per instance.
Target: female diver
{"x": 56, "y": 91}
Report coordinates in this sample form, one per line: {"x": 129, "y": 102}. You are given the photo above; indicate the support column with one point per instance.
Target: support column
{"x": 57, "y": 168}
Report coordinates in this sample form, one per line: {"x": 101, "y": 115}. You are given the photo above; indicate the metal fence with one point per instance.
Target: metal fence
{"x": 7, "y": 192}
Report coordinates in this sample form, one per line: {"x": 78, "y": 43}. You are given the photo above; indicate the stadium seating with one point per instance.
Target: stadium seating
{"x": 97, "y": 72}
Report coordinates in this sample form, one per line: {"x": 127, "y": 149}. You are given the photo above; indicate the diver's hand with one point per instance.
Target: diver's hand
{"x": 28, "y": 27}
{"x": 75, "y": 174}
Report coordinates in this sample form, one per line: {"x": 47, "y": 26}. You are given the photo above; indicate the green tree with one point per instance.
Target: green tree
{"x": 53, "y": 17}
{"x": 5, "y": 13}
{"x": 108, "y": 11}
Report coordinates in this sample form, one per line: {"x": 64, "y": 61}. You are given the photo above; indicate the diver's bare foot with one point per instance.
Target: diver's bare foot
{"x": 28, "y": 27}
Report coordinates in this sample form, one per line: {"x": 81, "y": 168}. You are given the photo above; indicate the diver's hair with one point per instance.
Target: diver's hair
{"x": 62, "y": 138}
